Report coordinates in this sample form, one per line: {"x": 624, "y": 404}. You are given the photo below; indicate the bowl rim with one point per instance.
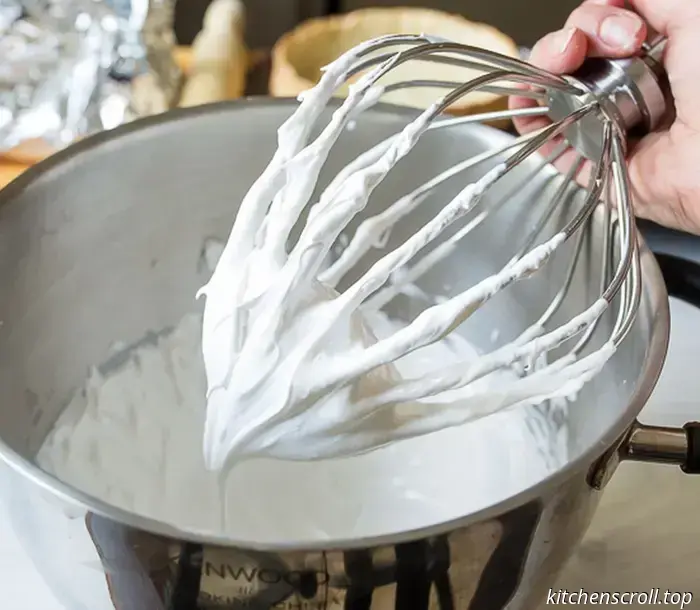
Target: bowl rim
{"x": 653, "y": 287}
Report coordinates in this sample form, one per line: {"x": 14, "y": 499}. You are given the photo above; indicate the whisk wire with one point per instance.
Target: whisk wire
{"x": 469, "y": 57}
{"x": 539, "y": 96}
{"x": 288, "y": 185}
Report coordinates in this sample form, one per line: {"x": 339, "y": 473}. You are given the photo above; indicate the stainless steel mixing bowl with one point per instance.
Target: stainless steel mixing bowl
{"x": 102, "y": 243}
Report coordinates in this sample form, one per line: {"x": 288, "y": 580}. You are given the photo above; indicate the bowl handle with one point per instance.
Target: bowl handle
{"x": 679, "y": 446}
{"x": 658, "y": 444}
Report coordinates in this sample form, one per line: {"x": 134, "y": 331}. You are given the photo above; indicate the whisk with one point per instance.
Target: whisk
{"x": 293, "y": 369}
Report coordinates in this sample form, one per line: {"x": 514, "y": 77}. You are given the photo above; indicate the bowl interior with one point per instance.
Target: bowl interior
{"x": 103, "y": 247}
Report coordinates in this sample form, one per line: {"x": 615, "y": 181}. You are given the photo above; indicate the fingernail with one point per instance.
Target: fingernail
{"x": 620, "y": 30}
{"x": 563, "y": 39}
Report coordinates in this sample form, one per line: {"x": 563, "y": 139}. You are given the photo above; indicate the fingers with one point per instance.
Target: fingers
{"x": 597, "y": 28}
{"x": 662, "y": 170}
{"x": 611, "y": 31}
{"x": 600, "y": 28}
{"x": 561, "y": 52}
{"x": 526, "y": 124}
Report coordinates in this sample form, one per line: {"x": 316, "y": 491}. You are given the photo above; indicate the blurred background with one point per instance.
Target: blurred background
{"x": 523, "y": 20}
{"x": 71, "y": 68}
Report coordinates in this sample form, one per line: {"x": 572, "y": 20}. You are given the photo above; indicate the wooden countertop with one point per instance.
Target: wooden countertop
{"x": 9, "y": 171}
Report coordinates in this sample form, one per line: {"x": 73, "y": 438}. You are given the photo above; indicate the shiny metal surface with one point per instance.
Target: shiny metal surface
{"x": 620, "y": 276}
{"x": 509, "y": 559}
{"x": 72, "y": 68}
{"x": 633, "y": 93}
{"x": 95, "y": 247}
{"x": 645, "y": 530}
{"x": 657, "y": 444}
{"x": 643, "y": 443}
{"x": 596, "y": 110}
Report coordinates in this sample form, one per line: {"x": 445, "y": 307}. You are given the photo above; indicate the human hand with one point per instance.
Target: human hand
{"x": 663, "y": 166}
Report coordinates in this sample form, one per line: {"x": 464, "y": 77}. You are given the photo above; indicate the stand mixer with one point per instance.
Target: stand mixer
{"x": 503, "y": 550}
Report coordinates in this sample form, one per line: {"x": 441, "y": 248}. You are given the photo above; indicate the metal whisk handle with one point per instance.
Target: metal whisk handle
{"x": 632, "y": 93}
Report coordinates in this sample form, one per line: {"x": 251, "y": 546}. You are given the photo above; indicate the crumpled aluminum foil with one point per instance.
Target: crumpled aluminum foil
{"x": 70, "y": 68}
